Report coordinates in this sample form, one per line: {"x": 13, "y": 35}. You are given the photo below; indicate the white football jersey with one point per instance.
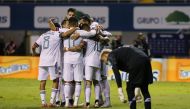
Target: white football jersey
{"x": 76, "y": 57}
{"x": 63, "y": 29}
{"x": 86, "y": 34}
{"x": 72, "y": 57}
{"x": 92, "y": 53}
{"x": 93, "y": 25}
{"x": 93, "y": 49}
{"x": 50, "y": 44}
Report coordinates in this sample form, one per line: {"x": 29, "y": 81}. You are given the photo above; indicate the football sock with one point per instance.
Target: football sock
{"x": 67, "y": 93}
{"x": 43, "y": 96}
{"x": 77, "y": 92}
{"x": 72, "y": 90}
{"x": 57, "y": 95}
{"x": 132, "y": 103}
{"x": 62, "y": 91}
{"x": 53, "y": 95}
{"x": 97, "y": 91}
{"x": 107, "y": 89}
{"x": 147, "y": 103}
{"x": 88, "y": 93}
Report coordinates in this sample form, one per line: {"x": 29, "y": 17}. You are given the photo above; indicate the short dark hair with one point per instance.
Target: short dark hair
{"x": 64, "y": 22}
{"x": 71, "y": 10}
{"x": 73, "y": 21}
{"x": 85, "y": 27}
{"x": 86, "y": 18}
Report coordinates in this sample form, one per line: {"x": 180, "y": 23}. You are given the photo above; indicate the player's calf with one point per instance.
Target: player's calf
{"x": 88, "y": 92}
{"x": 43, "y": 93}
{"x": 97, "y": 93}
{"x": 77, "y": 93}
{"x": 67, "y": 93}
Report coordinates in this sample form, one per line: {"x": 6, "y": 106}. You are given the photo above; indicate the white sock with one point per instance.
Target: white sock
{"x": 43, "y": 96}
{"x": 57, "y": 95}
{"x": 53, "y": 95}
{"x": 62, "y": 91}
{"x": 106, "y": 88}
{"x": 77, "y": 90}
{"x": 72, "y": 90}
{"x": 97, "y": 91}
{"x": 67, "y": 93}
{"x": 88, "y": 93}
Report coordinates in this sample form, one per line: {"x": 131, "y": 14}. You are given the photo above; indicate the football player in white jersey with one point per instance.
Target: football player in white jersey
{"x": 92, "y": 66}
{"x": 73, "y": 62}
{"x": 50, "y": 53}
{"x": 49, "y": 57}
{"x": 103, "y": 83}
{"x": 61, "y": 94}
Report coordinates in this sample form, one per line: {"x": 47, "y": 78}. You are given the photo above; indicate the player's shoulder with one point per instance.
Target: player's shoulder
{"x": 80, "y": 31}
{"x": 93, "y": 25}
{"x": 63, "y": 29}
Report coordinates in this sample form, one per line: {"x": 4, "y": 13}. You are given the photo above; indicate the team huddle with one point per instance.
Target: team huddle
{"x": 75, "y": 52}
{"x": 70, "y": 54}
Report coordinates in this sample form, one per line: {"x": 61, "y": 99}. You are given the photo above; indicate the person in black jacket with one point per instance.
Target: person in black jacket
{"x": 141, "y": 43}
{"x": 137, "y": 64}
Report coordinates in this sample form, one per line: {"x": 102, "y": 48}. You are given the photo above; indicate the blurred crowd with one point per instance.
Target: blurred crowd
{"x": 7, "y": 48}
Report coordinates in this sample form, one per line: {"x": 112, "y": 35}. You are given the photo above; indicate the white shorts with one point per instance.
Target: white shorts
{"x": 45, "y": 71}
{"x": 73, "y": 72}
{"x": 92, "y": 73}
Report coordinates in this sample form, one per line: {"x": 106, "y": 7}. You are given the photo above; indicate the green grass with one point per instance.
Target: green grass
{"x": 22, "y": 93}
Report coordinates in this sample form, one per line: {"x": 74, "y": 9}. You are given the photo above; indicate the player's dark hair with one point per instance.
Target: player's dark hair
{"x": 73, "y": 21}
{"x": 64, "y": 22}
{"x": 71, "y": 10}
{"x": 86, "y": 18}
{"x": 85, "y": 27}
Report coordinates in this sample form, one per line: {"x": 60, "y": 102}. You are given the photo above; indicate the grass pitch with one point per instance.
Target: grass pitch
{"x": 22, "y": 93}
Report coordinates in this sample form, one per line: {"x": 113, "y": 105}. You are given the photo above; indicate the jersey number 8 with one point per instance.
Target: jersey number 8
{"x": 46, "y": 42}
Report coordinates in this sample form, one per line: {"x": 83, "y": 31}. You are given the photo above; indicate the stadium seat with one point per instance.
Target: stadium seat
{"x": 125, "y": 1}
{"x": 61, "y": 1}
{"x": 146, "y": 1}
{"x": 177, "y": 1}
{"x": 76, "y": 1}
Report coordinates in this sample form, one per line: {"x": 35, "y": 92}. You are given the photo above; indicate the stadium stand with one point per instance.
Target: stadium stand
{"x": 75, "y": 1}
{"x": 95, "y": 1}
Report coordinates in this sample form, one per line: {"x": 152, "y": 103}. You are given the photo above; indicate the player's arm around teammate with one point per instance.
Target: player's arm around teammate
{"x": 76, "y": 48}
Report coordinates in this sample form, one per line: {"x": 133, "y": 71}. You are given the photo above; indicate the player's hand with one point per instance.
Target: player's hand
{"x": 65, "y": 49}
{"x": 100, "y": 27}
{"x": 75, "y": 36}
{"x": 97, "y": 30}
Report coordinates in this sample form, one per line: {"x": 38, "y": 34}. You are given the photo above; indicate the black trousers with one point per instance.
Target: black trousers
{"x": 131, "y": 95}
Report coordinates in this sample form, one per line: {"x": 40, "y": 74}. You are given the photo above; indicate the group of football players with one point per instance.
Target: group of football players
{"x": 70, "y": 55}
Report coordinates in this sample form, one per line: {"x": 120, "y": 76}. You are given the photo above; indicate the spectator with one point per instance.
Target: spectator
{"x": 117, "y": 42}
{"x": 11, "y": 48}
{"x": 141, "y": 43}
{"x": 2, "y": 46}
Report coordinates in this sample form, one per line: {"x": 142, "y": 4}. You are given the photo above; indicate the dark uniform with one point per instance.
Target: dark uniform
{"x": 137, "y": 64}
